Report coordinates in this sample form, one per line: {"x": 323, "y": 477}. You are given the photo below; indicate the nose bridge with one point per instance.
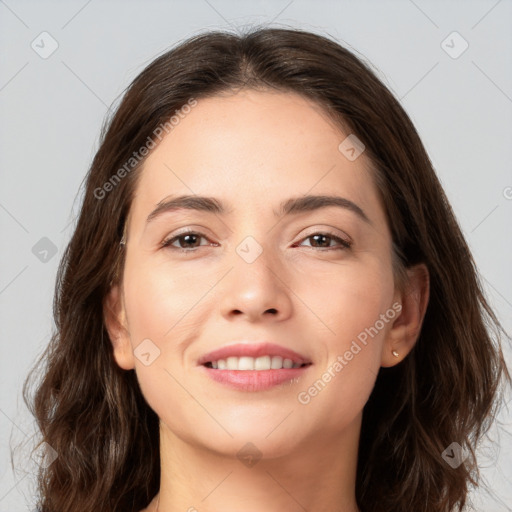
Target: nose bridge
{"x": 256, "y": 280}
{"x": 256, "y": 264}
{"x": 256, "y": 244}
{"x": 250, "y": 250}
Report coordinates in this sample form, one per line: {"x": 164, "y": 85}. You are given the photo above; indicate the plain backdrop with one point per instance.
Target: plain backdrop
{"x": 64, "y": 63}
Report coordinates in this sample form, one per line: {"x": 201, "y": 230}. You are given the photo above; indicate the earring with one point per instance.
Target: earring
{"x": 395, "y": 353}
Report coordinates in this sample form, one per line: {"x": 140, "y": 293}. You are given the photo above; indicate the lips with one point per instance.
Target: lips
{"x": 245, "y": 367}
{"x": 259, "y": 350}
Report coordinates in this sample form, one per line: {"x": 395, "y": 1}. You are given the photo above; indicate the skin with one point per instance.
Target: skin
{"x": 252, "y": 150}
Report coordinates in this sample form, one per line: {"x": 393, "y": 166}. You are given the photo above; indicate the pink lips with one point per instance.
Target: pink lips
{"x": 253, "y": 380}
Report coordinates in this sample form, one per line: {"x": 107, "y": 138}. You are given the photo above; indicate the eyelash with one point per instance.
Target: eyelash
{"x": 345, "y": 244}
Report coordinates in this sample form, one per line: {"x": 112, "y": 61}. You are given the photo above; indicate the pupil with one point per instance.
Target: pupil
{"x": 187, "y": 237}
{"x": 315, "y": 237}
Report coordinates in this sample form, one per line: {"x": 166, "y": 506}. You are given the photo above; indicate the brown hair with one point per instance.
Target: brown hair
{"x": 93, "y": 413}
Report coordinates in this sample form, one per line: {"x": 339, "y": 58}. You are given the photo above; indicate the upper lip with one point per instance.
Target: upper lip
{"x": 252, "y": 350}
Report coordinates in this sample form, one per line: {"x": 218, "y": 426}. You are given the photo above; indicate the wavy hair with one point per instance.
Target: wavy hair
{"x": 93, "y": 414}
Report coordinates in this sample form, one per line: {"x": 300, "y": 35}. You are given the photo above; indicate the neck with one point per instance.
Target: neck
{"x": 318, "y": 477}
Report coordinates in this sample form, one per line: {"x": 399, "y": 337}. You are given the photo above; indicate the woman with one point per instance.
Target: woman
{"x": 267, "y": 303}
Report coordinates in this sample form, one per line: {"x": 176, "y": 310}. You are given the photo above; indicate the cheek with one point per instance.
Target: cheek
{"x": 349, "y": 299}
{"x": 160, "y": 308}
{"x": 161, "y": 301}
{"x": 355, "y": 305}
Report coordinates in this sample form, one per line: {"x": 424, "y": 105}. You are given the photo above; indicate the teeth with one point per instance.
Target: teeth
{"x": 254, "y": 363}
{"x": 277, "y": 362}
{"x": 263, "y": 363}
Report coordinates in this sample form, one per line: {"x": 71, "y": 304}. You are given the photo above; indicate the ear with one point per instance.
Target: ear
{"x": 114, "y": 315}
{"x": 406, "y": 328}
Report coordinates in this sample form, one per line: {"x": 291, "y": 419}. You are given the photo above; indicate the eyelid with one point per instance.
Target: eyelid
{"x": 312, "y": 231}
{"x": 188, "y": 229}
{"x": 332, "y": 231}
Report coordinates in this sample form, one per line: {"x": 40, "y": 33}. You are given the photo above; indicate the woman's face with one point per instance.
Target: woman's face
{"x": 252, "y": 275}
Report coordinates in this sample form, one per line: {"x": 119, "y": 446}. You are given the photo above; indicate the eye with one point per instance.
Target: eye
{"x": 188, "y": 238}
{"x": 321, "y": 238}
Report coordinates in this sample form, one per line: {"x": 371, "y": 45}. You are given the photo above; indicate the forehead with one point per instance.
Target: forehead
{"x": 253, "y": 149}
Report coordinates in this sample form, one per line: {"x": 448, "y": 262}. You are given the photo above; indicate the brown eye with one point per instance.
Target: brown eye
{"x": 188, "y": 241}
{"x": 325, "y": 238}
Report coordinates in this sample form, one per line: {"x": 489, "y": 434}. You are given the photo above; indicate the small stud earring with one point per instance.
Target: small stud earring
{"x": 395, "y": 353}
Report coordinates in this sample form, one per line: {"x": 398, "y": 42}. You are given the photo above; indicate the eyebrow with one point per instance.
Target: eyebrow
{"x": 294, "y": 205}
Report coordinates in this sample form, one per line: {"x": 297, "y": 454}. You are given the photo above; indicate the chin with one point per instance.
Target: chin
{"x": 251, "y": 446}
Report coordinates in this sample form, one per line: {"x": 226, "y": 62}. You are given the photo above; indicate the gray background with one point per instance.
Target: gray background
{"x": 52, "y": 109}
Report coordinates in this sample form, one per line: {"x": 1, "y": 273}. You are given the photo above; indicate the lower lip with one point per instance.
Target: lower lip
{"x": 254, "y": 380}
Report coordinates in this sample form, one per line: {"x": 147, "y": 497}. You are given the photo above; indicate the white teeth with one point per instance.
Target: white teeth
{"x": 277, "y": 362}
{"x": 246, "y": 363}
{"x": 262, "y": 363}
{"x": 232, "y": 363}
{"x": 252, "y": 363}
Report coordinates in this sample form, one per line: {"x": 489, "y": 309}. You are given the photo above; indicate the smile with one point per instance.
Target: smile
{"x": 246, "y": 363}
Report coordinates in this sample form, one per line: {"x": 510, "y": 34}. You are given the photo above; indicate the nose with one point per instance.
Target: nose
{"x": 257, "y": 290}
